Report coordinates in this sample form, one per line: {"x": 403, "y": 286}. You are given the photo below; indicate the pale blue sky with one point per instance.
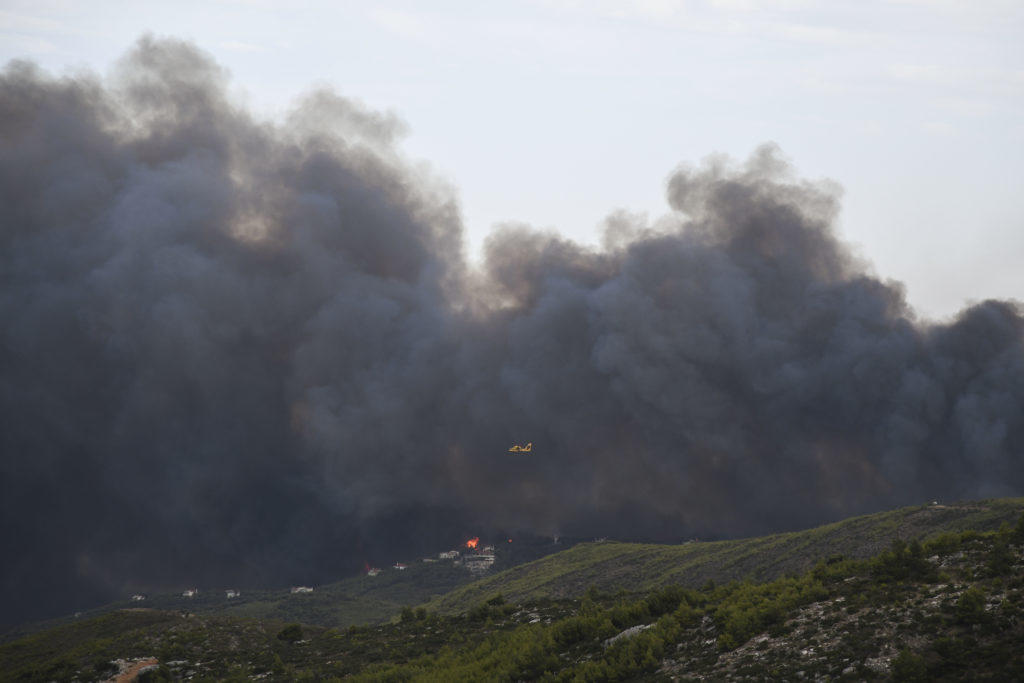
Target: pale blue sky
{"x": 556, "y": 112}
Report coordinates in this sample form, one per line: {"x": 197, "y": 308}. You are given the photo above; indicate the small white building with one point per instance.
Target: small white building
{"x": 301, "y": 589}
{"x": 231, "y": 593}
{"x": 190, "y": 593}
{"x": 138, "y": 598}
{"x": 400, "y": 566}
{"x": 478, "y": 564}
{"x": 449, "y": 555}
{"x": 372, "y": 571}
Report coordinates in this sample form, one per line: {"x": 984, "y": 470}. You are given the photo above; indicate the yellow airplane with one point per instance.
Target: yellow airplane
{"x": 521, "y": 449}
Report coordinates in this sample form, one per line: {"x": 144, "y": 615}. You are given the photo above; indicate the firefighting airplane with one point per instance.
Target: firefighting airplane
{"x": 521, "y": 449}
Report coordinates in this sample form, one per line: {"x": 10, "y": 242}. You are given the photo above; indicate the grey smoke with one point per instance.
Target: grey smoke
{"x": 253, "y": 353}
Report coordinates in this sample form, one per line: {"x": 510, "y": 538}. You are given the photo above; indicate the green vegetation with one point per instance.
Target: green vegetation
{"x": 904, "y": 614}
{"x": 947, "y": 606}
{"x": 291, "y": 633}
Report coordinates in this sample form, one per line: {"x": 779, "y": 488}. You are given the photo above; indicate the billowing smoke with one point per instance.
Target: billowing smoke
{"x": 254, "y": 353}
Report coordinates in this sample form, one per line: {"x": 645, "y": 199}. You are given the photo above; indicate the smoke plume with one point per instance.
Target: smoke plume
{"x": 254, "y": 353}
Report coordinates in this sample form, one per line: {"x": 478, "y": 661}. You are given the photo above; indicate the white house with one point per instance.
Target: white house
{"x": 301, "y": 589}
{"x": 478, "y": 564}
{"x": 231, "y": 594}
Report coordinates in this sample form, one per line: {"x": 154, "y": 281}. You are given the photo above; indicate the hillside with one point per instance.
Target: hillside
{"x": 356, "y": 600}
{"x": 949, "y": 609}
{"x": 632, "y": 567}
{"x": 944, "y": 610}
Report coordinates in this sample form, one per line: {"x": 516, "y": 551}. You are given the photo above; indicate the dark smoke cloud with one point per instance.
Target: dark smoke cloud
{"x": 249, "y": 353}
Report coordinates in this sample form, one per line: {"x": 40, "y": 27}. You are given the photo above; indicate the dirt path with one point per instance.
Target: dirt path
{"x": 132, "y": 672}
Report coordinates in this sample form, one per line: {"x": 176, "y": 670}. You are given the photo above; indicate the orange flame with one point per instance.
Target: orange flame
{"x": 472, "y": 543}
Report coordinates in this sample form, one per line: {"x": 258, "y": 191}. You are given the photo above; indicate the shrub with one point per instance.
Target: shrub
{"x": 903, "y": 562}
{"x": 1000, "y": 559}
{"x": 478, "y": 613}
{"x": 955, "y": 656}
{"x": 687, "y": 616}
{"x": 665, "y": 600}
{"x": 629, "y": 614}
{"x": 290, "y": 633}
{"x": 157, "y": 675}
{"x": 1017, "y": 536}
{"x": 943, "y": 544}
{"x": 907, "y": 666}
{"x": 752, "y": 608}
{"x": 573, "y": 630}
{"x": 267, "y": 661}
{"x": 103, "y": 669}
{"x": 970, "y": 608}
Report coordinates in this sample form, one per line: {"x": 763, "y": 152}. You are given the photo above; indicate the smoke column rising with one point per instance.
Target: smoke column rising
{"x": 252, "y": 353}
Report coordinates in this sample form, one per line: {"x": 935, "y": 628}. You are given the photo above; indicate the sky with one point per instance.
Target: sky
{"x": 915, "y": 108}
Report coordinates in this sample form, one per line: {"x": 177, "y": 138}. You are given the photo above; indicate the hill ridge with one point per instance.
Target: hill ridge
{"x": 612, "y": 566}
